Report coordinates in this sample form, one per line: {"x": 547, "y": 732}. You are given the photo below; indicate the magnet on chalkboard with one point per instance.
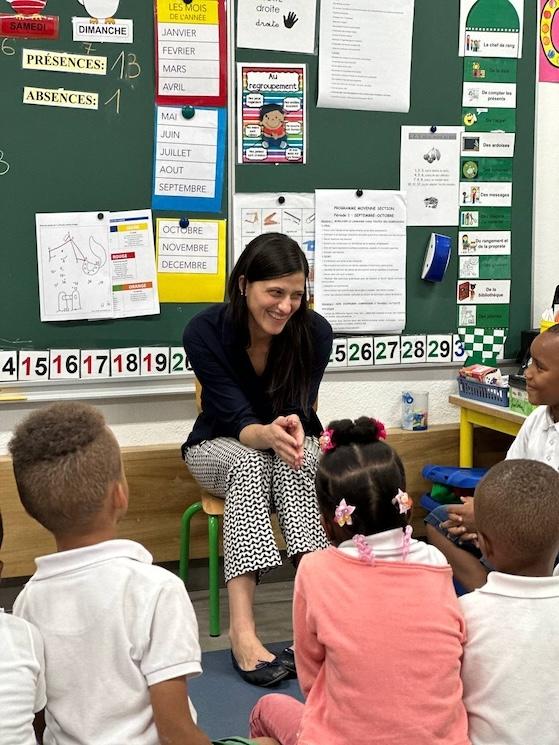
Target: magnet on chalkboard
{"x": 437, "y": 257}
{"x": 184, "y": 222}
{"x": 433, "y": 128}
{"x": 188, "y": 111}
{"x": 100, "y": 215}
{"x": 187, "y": 2}
{"x": 359, "y": 193}
{"x": 281, "y": 200}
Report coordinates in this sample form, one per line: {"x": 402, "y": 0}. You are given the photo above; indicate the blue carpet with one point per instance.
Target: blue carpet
{"x": 223, "y": 700}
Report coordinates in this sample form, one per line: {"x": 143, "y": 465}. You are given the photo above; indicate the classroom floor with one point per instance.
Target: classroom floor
{"x": 272, "y": 605}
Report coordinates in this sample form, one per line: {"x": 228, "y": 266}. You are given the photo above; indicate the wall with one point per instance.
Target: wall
{"x": 168, "y": 420}
{"x": 546, "y": 216}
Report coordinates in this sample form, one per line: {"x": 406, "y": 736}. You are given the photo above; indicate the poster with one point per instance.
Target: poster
{"x": 429, "y": 174}
{"x": 132, "y": 257}
{"x": 272, "y": 25}
{"x": 548, "y": 56}
{"x": 191, "y": 261}
{"x": 188, "y": 159}
{"x": 271, "y": 113}
{"x": 191, "y": 53}
{"x": 365, "y": 55}
{"x": 360, "y": 269}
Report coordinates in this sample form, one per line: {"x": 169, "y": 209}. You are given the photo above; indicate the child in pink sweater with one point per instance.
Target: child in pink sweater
{"x": 377, "y": 626}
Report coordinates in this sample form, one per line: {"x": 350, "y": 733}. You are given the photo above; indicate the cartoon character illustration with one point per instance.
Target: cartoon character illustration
{"x": 272, "y": 120}
{"x": 27, "y": 7}
{"x": 101, "y": 9}
{"x": 431, "y": 202}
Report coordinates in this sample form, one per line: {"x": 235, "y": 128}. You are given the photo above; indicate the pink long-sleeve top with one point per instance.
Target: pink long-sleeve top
{"x": 378, "y": 651}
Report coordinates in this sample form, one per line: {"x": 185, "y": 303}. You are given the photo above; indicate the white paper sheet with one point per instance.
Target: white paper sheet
{"x": 365, "y": 54}
{"x": 429, "y": 174}
{"x": 360, "y": 269}
{"x": 73, "y": 265}
{"x": 273, "y": 25}
{"x": 133, "y": 276}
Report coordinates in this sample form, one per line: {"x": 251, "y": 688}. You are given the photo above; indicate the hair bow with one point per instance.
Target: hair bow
{"x": 325, "y": 440}
{"x": 381, "y": 429}
{"x": 343, "y": 513}
{"x": 403, "y": 501}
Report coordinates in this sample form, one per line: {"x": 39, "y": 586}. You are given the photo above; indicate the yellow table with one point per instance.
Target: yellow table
{"x": 472, "y": 412}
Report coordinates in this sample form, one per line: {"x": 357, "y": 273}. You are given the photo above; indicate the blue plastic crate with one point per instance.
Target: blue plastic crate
{"x": 487, "y": 394}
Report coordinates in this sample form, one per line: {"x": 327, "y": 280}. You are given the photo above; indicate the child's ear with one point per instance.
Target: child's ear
{"x": 120, "y": 496}
{"x": 486, "y": 546}
{"x": 328, "y": 528}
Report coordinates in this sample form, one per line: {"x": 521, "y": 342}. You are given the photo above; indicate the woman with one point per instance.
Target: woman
{"x": 260, "y": 359}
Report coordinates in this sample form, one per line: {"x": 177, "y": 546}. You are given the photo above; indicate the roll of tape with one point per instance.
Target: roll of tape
{"x": 437, "y": 257}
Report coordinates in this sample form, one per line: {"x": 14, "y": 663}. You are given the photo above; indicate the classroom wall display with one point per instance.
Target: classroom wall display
{"x": 36, "y": 366}
{"x": 353, "y": 149}
{"x": 55, "y": 159}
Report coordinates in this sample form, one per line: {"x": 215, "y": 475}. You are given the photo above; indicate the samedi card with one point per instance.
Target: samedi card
{"x": 271, "y": 113}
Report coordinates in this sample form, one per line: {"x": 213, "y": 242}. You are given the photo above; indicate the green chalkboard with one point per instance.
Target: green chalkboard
{"x": 66, "y": 160}
{"x": 361, "y": 149}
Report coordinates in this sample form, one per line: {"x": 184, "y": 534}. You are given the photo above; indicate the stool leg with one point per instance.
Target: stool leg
{"x": 213, "y": 541}
{"x": 185, "y": 539}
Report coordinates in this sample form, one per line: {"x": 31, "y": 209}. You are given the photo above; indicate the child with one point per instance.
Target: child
{"x": 22, "y": 677}
{"x": 538, "y": 439}
{"x": 378, "y": 629}
{"x": 511, "y": 656}
{"x": 120, "y": 634}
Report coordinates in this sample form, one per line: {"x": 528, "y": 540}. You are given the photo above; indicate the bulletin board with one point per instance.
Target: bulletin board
{"x": 361, "y": 149}
{"x": 66, "y": 160}
{"x": 72, "y": 160}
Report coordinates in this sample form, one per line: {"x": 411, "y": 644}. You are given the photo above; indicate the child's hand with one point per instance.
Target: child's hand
{"x": 461, "y": 520}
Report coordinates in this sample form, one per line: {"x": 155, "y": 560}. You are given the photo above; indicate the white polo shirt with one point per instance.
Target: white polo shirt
{"x": 113, "y": 625}
{"x": 511, "y": 659}
{"x": 22, "y": 680}
{"x": 537, "y": 439}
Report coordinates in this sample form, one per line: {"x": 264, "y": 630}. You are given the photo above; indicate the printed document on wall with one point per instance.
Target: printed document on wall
{"x": 73, "y": 266}
{"x": 273, "y": 25}
{"x": 365, "y": 54}
{"x": 134, "y": 280}
{"x": 429, "y": 174}
{"x": 360, "y": 268}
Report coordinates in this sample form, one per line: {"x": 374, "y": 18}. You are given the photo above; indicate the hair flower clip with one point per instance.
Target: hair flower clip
{"x": 325, "y": 440}
{"x": 343, "y": 512}
{"x": 381, "y": 429}
{"x": 403, "y": 501}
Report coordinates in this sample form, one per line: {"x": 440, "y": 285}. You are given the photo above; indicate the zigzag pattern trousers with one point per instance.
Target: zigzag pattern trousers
{"x": 255, "y": 483}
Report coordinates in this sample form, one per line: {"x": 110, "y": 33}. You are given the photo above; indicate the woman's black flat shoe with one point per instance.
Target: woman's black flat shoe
{"x": 287, "y": 658}
{"x": 264, "y": 674}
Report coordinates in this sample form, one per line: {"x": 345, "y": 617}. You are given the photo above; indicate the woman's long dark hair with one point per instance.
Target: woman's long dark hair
{"x": 290, "y": 358}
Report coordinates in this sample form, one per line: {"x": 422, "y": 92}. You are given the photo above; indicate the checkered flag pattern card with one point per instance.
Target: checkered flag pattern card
{"x": 483, "y": 345}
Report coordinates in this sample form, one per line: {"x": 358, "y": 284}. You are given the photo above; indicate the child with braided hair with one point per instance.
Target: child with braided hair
{"x": 377, "y": 626}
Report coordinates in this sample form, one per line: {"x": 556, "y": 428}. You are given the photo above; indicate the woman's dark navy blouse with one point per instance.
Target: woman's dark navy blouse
{"x": 233, "y": 395}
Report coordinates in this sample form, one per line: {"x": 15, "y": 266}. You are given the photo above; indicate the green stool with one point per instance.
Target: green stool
{"x": 213, "y": 508}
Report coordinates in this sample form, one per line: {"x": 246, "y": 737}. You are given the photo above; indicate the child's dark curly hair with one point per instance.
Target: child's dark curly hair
{"x": 366, "y": 472}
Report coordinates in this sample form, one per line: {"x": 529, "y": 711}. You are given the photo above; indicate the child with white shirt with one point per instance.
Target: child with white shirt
{"x": 120, "y": 634}
{"x": 453, "y": 528}
{"x": 22, "y": 677}
{"x": 377, "y": 625}
{"x": 511, "y": 656}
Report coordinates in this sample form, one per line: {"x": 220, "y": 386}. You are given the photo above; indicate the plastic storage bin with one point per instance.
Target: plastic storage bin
{"x": 487, "y": 394}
